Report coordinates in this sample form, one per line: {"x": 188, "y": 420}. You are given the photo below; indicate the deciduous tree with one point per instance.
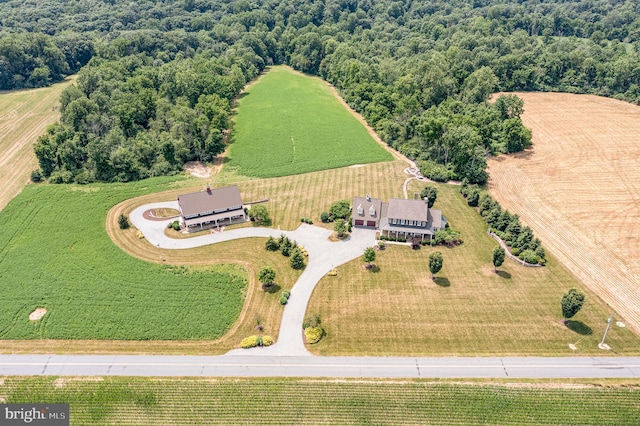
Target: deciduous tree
{"x": 498, "y": 258}
{"x": 435, "y": 263}
{"x": 571, "y": 303}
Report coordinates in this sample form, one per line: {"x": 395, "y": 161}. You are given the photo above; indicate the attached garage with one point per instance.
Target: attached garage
{"x": 359, "y": 222}
{"x": 370, "y": 223}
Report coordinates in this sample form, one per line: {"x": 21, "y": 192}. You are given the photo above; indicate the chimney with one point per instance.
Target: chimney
{"x": 368, "y": 197}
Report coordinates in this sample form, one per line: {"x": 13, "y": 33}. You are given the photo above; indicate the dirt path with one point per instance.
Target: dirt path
{"x": 24, "y": 115}
{"x": 579, "y": 190}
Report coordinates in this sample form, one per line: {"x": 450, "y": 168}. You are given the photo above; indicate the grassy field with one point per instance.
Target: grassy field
{"x": 468, "y": 310}
{"x": 578, "y": 188}
{"x": 24, "y": 115}
{"x": 159, "y": 401}
{"x": 288, "y": 123}
{"x": 55, "y": 255}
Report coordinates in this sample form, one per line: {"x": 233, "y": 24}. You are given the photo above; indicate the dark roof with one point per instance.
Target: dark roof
{"x": 366, "y": 205}
{"x": 407, "y": 209}
{"x": 209, "y": 200}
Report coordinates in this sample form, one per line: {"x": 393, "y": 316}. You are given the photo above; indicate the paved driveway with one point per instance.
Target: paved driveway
{"x": 323, "y": 256}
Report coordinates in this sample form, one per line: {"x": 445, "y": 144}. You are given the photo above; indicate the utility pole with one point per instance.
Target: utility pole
{"x": 603, "y": 345}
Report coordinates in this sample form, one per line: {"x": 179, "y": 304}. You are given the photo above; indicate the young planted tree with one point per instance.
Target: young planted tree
{"x": 267, "y": 276}
{"x": 285, "y": 246}
{"x": 435, "y": 263}
{"x": 340, "y": 226}
{"x": 430, "y": 193}
{"x": 369, "y": 256}
{"x": 123, "y": 222}
{"x": 572, "y": 302}
{"x": 297, "y": 259}
{"x": 272, "y": 244}
{"x": 498, "y": 258}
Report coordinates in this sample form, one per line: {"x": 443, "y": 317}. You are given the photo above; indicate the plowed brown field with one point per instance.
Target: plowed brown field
{"x": 578, "y": 188}
{"x": 24, "y": 115}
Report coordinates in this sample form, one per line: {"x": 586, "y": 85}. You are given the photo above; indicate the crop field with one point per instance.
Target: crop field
{"x": 55, "y": 255}
{"x": 159, "y": 401}
{"x": 467, "y": 310}
{"x": 288, "y": 123}
{"x": 578, "y": 188}
{"x": 24, "y": 115}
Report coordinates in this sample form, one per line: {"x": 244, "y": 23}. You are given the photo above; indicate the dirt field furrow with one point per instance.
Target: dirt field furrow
{"x": 578, "y": 188}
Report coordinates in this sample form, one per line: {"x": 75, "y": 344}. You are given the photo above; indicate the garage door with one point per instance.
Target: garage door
{"x": 359, "y": 222}
{"x": 371, "y": 223}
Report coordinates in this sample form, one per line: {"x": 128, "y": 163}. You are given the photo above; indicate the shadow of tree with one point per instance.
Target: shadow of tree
{"x": 375, "y": 268}
{"x": 504, "y": 274}
{"x": 274, "y": 288}
{"x": 578, "y": 327}
{"x": 442, "y": 281}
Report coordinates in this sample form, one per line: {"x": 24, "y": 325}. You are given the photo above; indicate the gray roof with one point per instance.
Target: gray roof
{"x": 436, "y": 220}
{"x": 366, "y": 205}
{"x": 209, "y": 201}
{"x": 407, "y": 209}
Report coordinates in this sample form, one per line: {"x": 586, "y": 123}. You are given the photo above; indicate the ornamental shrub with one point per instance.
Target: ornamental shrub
{"x": 250, "y": 342}
{"x": 123, "y": 222}
{"x": 267, "y": 340}
{"x": 324, "y": 217}
{"x": 272, "y": 244}
{"x": 175, "y": 225}
{"x": 283, "y": 300}
{"x": 313, "y": 334}
{"x": 286, "y": 293}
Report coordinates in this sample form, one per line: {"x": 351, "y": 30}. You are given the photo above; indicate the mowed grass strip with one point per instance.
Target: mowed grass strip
{"x": 24, "y": 115}
{"x": 288, "y": 123}
{"x": 467, "y": 310}
{"x": 55, "y": 254}
{"x": 159, "y": 401}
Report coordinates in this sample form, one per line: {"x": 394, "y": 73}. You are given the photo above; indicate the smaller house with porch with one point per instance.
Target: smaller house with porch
{"x": 399, "y": 218}
{"x": 211, "y": 208}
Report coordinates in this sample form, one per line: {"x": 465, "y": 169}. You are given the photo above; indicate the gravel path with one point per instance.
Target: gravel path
{"x": 324, "y": 255}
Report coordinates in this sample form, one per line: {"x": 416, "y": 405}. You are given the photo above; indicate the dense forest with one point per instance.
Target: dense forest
{"x": 157, "y": 78}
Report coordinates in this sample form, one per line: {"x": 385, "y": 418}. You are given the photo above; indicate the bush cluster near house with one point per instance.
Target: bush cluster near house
{"x": 519, "y": 238}
{"x": 259, "y": 215}
{"x": 339, "y": 210}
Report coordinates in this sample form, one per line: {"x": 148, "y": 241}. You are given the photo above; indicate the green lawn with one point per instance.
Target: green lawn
{"x": 289, "y": 123}
{"x": 159, "y": 401}
{"x": 55, "y": 254}
{"x": 468, "y": 310}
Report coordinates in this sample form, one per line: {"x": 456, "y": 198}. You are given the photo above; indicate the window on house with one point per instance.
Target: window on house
{"x": 402, "y": 222}
{"x": 410, "y": 222}
{"x": 360, "y": 210}
{"x": 372, "y": 211}
{"x": 393, "y": 221}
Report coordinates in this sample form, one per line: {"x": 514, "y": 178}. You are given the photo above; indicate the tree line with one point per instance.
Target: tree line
{"x": 421, "y": 73}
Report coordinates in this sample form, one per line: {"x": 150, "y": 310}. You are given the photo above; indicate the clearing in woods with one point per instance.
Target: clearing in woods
{"x": 24, "y": 115}
{"x": 289, "y": 123}
{"x": 578, "y": 188}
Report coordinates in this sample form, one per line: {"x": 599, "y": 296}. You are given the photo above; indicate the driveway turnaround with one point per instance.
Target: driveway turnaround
{"x": 324, "y": 255}
{"x": 307, "y": 366}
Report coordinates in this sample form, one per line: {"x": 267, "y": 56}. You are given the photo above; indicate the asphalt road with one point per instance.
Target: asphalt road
{"x": 306, "y": 366}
